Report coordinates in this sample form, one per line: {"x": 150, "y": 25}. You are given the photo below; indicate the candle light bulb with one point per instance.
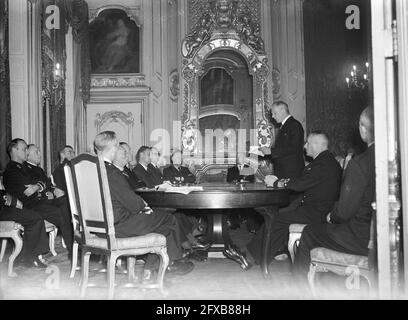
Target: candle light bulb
{"x": 57, "y": 66}
{"x": 347, "y": 80}
{"x": 365, "y": 77}
{"x": 367, "y": 65}
{"x": 354, "y": 68}
{"x": 352, "y": 73}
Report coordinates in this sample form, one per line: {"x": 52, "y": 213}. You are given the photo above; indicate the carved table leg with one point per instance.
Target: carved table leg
{"x": 269, "y": 214}
{"x": 218, "y": 230}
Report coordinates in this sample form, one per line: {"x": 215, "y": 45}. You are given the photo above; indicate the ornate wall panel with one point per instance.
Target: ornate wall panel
{"x": 123, "y": 118}
{"x": 223, "y": 25}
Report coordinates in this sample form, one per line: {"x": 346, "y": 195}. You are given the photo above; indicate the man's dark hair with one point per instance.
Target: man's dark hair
{"x": 123, "y": 143}
{"x": 13, "y": 144}
{"x": 140, "y": 151}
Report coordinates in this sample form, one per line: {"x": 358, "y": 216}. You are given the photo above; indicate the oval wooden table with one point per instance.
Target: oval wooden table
{"x": 218, "y": 196}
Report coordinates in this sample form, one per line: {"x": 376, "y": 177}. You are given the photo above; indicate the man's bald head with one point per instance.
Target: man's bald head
{"x": 316, "y": 143}
{"x": 366, "y": 125}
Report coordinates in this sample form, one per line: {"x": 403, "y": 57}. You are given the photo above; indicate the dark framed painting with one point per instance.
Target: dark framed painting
{"x": 114, "y": 43}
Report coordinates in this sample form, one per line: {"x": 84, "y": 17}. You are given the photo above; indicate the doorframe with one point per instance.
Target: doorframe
{"x": 402, "y": 27}
{"x": 382, "y": 47}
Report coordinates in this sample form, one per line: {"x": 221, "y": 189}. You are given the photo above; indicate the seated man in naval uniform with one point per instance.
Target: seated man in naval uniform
{"x": 35, "y": 238}
{"x": 176, "y": 172}
{"x": 29, "y": 183}
{"x": 132, "y": 215}
{"x": 348, "y": 225}
{"x": 319, "y": 185}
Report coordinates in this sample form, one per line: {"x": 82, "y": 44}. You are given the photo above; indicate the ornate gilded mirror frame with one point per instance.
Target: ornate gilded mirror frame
{"x": 227, "y": 25}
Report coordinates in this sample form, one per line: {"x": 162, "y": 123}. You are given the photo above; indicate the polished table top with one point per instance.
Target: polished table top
{"x": 218, "y": 196}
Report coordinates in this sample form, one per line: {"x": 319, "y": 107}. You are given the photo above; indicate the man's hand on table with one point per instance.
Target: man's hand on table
{"x": 270, "y": 180}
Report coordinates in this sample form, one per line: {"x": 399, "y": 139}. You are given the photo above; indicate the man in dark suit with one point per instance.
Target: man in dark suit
{"x": 35, "y": 239}
{"x": 287, "y": 154}
{"x": 66, "y": 154}
{"x": 122, "y": 161}
{"x": 133, "y": 216}
{"x": 153, "y": 167}
{"x": 176, "y": 172}
{"x": 319, "y": 185}
{"x": 348, "y": 229}
{"x": 24, "y": 182}
{"x": 241, "y": 171}
{"x": 141, "y": 169}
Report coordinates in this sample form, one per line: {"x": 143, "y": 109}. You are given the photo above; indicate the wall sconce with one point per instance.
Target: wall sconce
{"x": 359, "y": 77}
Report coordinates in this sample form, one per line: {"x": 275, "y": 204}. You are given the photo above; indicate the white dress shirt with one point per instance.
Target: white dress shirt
{"x": 284, "y": 120}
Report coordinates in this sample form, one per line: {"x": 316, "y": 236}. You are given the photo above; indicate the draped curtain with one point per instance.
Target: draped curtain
{"x": 78, "y": 15}
{"x": 73, "y": 13}
{"x": 5, "y": 112}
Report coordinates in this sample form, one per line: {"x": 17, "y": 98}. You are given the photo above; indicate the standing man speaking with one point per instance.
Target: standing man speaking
{"x": 287, "y": 154}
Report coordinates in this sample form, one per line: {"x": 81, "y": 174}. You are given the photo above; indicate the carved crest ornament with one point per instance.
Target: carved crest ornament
{"x": 225, "y": 25}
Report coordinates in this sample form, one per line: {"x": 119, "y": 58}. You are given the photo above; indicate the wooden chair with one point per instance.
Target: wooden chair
{"x": 295, "y": 232}
{"x": 52, "y": 234}
{"x": 75, "y": 219}
{"x": 343, "y": 264}
{"x": 94, "y": 208}
{"x": 11, "y": 230}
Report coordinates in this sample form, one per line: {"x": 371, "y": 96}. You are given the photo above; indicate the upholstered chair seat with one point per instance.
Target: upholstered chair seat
{"x": 328, "y": 256}
{"x": 139, "y": 242}
{"x": 343, "y": 264}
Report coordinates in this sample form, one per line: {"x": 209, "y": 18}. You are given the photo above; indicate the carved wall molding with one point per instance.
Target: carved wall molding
{"x": 197, "y": 7}
{"x": 113, "y": 116}
{"x": 189, "y": 136}
{"x": 224, "y": 16}
{"x": 276, "y": 82}
{"x": 117, "y": 81}
{"x": 132, "y": 12}
{"x": 206, "y": 38}
{"x": 174, "y": 80}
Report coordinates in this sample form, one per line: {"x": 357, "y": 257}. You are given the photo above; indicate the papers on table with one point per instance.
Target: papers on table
{"x": 182, "y": 189}
{"x": 255, "y": 150}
